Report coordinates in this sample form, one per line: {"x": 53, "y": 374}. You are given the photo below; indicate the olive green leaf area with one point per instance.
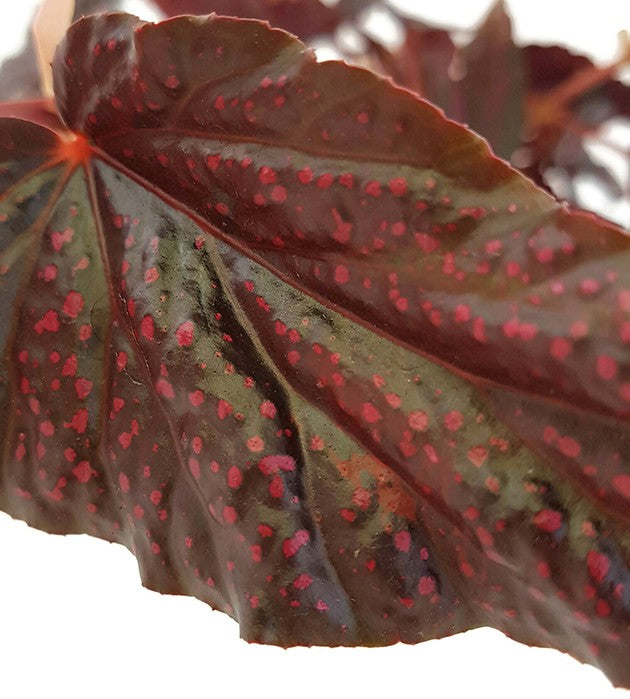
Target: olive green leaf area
{"x": 309, "y": 350}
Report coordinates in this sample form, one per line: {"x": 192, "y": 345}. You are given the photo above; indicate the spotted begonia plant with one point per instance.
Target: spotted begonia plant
{"x": 309, "y": 349}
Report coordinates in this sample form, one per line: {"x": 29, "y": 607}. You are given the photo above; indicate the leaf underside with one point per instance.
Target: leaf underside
{"x": 310, "y": 351}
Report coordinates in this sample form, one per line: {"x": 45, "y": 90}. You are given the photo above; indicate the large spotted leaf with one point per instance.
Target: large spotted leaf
{"x": 309, "y": 350}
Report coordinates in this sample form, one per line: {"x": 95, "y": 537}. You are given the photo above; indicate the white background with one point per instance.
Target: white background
{"x": 75, "y": 621}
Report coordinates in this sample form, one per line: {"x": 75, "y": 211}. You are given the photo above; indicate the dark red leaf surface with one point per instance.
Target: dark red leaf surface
{"x": 304, "y": 18}
{"x": 310, "y": 351}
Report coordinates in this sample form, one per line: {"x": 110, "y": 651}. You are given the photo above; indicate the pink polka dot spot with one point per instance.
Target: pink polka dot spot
{"x": 47, "y": 428}
{"x": 255, "y": 444}
{"x": 73, "y": 304}
{"x": 279, "y": 194}
{"x": 164, "y": 388}
{"x": 196, "y": 398}
{"x": 569, "y": 447}
{"x": 418, "y": 421}
{"x": 83, "y": 387}
{"x": 195, "y": 468}
{"x": 598, "y": 565}
{"x": 398, "y": 186}
{"x": 49, "y": 323}
{"x": 305, "y": 176}
{"x": 370, "y": 413}
{"x": 234, "y": 477}
{"x": 477, "y": 455}
{"x": 229, "y": 514}
{"x": 302, "y": 582}
{"x": 273, "y": 463}
{"x": 265, "y": 530}
{"x": 267, "y": 175}
{"x": 402, "y": 540}
{"x": 268, "y": 409}
{"x": 548, "y": 520}
{"x": 621, "y": 483}
{"x": 453, "y": 420}
{"x": 292, "y": 545}
{"x": 79, "y": 421}
{"x": 560, "y": 348}
{"x": 342, "y": 274}
{"x": 185, "y": 333}
{"x": 147, "y": 327}
{"x": 83, "y": 471}
{"x": 466, "y": 569}
{"x": 606, "y": 367}
{"x": 373, "y": 188}
{"x": 426, "y": 586}
{"x": 276, "y": 487}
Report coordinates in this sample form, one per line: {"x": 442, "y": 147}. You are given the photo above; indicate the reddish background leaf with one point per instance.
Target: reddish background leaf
{"x": 310, "y": 351}
{"x": 534, "y": 109}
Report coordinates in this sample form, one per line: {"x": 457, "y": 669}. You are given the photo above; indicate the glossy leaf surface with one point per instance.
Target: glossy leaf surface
{"x": 310, "y": 351}
{"x": 304, "y": 18}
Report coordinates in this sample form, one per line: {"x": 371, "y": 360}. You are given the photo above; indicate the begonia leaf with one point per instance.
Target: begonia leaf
{"x": 310, "y": 350}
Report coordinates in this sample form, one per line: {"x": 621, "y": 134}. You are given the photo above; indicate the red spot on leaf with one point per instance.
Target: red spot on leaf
{"x": 303, "y": 581}
{"x": 79, "y": 421}
{"x": 418, "y": 421}
{"x": 453, "y": 420}
{"x": 234, "y": 477}
{"x": 229, "y": 514}
{"x": 195, "y": 468}
{"x": 426, "y": 586}
{"x": 49, "y": 323}
{"x": 276, "y": 487}
{"x": 224, "y": 409}
{"x": 83, "y": 387}
{"x": 467, "y": 569}
{"x": 548, "y": 520}
{"x": 598, "y": 566}
{"x": 265, "y": 530}
{"x": 398, "y": 186}
{"x": 164, "y": 388}
{"x": 268, "y": 409}
{"x": 147, "y": 327}
{"x": 292, "y": 545}
{"x": 621, "y": 483}
{"x": 255, "y": 444}
{"x": 196, "y": 398}
{"x": 370, "y": 413}
{"x": 402, "y": 540}
{"x": 73, "y": 304}
{"x": 477, "y": 455}
{"x": 606, "y": 367}
{"x": 47, "y": 428}
{"x": 569, "y": 447}
{"x": 342, "y": 274}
